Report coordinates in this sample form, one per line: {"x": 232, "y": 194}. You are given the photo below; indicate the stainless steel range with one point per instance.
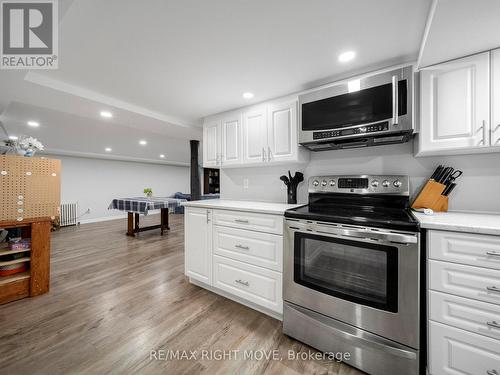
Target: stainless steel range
{"x": 352, "y": 272}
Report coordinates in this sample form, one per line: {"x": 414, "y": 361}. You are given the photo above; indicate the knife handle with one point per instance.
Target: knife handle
{"x": 449, "y": 189}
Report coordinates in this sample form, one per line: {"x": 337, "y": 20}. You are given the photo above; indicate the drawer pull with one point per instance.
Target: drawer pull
{"x": 246, "y": 283}
{"x": 492, "y": 372}
{"x": 493, "y": 324}
{"x": 493, "y": 253}
{"x": 242, "y": 247}
{"x": 241, "y": 221}
{"x": 493, "y": 289}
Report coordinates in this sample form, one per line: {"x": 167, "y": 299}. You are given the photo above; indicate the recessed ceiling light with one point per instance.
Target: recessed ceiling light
{"x": 142, "y": 142}
{"x": 248, "y": 95}
{"x": 162, "y": 156}
{"x": 106, "y": 114}
{"x": 347, "y": 56}
{"x": 34, "y": 124}
{"x": 13, "y": 137}
{"x": 108, "y": 149}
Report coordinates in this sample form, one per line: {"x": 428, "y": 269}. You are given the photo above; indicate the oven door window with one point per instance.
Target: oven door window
{"x": 352, "y": 270}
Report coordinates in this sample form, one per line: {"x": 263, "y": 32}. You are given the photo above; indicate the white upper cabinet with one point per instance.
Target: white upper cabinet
{"x": 282, "y": 132}
{"x": 260, "y": 135}
{"x": 231, "y": 139}
{"x": 211, "y": 142}
{"x": 255, "y": 135}
{"x": 455, "y": 107}
{"x": 495, "y": 98}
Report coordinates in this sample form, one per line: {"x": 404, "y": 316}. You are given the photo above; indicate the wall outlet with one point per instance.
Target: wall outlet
{"x": 245, "y": 183}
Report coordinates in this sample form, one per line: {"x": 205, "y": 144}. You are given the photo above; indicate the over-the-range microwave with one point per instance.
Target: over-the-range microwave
{"x": 367, "y": 111}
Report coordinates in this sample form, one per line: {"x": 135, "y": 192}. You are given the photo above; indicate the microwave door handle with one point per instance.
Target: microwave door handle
{"x": 395, "y": 97}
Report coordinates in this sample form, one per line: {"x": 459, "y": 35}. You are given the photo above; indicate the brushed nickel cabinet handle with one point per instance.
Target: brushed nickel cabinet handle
{"x": 269, "y": 154}
{"x": 263, "y": 154}
{"x": 493, "y": 253}
{"x": 241, "y": 221}
{"x": 483, "y": 128}
{"x": 246, "y": 283}
{"x": 493, "y": 324}
{"x": 242, "y": 247}
{"x": 493, "y": 289}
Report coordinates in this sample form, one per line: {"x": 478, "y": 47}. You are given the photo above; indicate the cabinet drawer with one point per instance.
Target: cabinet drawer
{"x": 466, "y": 281}
{"x": 454, "y": 351}
{"x": 472, "y": 249}
{"x": 249, "y": 220}
{"x": 260, "y": 249}
{"x": 255, "y": 284}
{"x": 478, "y": 317}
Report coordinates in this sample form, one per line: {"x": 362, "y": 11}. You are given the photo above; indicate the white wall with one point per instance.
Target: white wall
{"x": 95, "y": 182}
{"x": 478, "y": 189}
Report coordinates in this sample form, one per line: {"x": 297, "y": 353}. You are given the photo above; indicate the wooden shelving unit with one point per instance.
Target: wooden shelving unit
{"x": 36, "y": 279}
{"x": 16, "y": 277}
{"x": 8, "y": 252}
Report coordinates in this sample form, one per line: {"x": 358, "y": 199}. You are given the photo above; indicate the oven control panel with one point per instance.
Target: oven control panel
{"x": 360, "y": 184}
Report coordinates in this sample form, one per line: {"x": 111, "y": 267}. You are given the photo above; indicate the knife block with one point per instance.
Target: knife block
{"x": 430, "y": 197}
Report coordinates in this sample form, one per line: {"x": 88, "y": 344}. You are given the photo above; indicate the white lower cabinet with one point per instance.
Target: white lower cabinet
{"x": 255, "y": 284}
{"x": 261, "y": 249}
{"x": 238, "y": 254}
{"x": 463, "y": 303}
{"x": 454, "y": 351}
{"x": 197, "y": 238}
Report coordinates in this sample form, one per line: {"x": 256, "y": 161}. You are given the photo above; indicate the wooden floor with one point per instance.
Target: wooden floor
{"x": 114, "y": 299}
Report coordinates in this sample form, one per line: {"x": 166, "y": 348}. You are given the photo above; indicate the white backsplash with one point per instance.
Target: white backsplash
{"x": 477, "y": 190}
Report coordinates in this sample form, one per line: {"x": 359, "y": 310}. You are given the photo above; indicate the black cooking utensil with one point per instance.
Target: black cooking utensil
{"x": 285, "y": 180}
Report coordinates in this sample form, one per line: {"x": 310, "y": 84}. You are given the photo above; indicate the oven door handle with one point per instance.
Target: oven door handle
{"x": 388, "y": 237}
{"x": 355, "y": 233}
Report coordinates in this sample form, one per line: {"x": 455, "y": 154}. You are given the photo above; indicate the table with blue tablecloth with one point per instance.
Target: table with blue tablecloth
{"x": 142, "y": 205}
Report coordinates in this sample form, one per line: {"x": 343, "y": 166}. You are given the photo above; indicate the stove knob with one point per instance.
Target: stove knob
{"x": 374, "y": 183}
{"x": 362, "y": 130}
{"x": 332, "y": 182}
{"x": 323, "y": 183}
{"x": 397, "y": 184}
{"x": 315, "y": 182}
{"x": 386, "y": 183}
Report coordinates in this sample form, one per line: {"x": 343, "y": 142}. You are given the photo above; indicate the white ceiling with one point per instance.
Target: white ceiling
{"x": 458, "y": 28}
{"x": 191, "y": 58}
{"x": 69, "y": 134}
{"x": 162, "y": 65}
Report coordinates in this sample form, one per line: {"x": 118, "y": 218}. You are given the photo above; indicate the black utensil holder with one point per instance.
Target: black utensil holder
{"x": 292, "y": 194}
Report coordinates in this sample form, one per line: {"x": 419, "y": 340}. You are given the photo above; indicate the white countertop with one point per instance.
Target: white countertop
{"x": 461, "y": 222}
{"x": 250, "y": 206}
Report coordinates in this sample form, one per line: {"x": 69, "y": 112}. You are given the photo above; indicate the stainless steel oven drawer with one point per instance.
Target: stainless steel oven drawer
{"x": 368, "y": 352}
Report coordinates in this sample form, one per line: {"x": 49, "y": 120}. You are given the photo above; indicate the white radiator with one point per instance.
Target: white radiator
{"x": 69, "y": 214}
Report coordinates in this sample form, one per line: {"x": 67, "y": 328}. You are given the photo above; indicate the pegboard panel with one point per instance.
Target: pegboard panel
{"x": 30, "y": 187}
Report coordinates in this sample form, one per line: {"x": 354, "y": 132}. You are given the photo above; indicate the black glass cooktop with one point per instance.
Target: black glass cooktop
{"x": 370, "y": 211}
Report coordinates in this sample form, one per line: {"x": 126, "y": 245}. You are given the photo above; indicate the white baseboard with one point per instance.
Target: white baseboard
{"x": 103, "y": 218}
{"x": 116, "y": 217}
